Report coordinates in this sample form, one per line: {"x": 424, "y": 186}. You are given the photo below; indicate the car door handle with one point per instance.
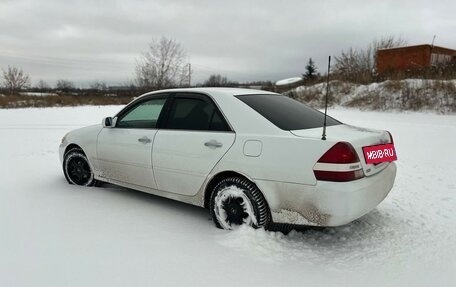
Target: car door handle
{"x": 144, "y": 140}
{"x": 213, "y": 144}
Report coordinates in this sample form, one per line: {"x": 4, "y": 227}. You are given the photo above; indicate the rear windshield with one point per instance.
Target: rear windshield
{"x": 287, "y": 113}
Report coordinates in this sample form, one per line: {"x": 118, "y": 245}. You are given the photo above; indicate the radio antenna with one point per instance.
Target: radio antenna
{"x": 323, "y": 136}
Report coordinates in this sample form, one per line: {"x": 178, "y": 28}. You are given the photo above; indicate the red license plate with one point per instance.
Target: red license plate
{"x": 379, "y": 153}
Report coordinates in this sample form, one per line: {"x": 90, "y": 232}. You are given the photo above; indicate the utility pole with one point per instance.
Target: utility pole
{"x": 432, "y": 48}
{"x": 189, "y": 75}
{"x": 429, "y": 67}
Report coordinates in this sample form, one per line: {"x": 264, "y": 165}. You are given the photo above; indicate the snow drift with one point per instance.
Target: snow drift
{"x": 410, "y": 94}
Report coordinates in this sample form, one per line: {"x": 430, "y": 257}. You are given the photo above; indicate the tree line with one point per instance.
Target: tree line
{"x": 14, "y": 79}
{"x": 164, "y": 65}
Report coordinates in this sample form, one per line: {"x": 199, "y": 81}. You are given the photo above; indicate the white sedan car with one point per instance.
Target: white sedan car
{"x": 251, "y": 157}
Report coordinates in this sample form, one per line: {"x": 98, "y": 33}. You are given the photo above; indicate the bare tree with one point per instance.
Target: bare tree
{"x": 216, "y": 81}
{"x": 359, "y": 65}
{"x": 43, "y": 86}
{"x": 14, "y": 79}
{"x": 98, "y": 85}
{"x": 163, "y": 65}
{"x": 64, "y": 85}
{"x": 354, "y": 65}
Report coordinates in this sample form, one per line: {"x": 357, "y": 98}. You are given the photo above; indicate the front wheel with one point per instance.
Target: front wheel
{"x": 77, "y": 169}
{"x": 236, "y": 201}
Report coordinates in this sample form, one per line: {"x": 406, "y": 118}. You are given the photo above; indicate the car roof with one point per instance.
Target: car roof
{"x": 216, "y": 92}
{"x": 239, "y": 115}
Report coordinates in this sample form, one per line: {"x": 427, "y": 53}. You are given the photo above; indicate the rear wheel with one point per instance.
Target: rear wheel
{"x": 77, "y": 169}
{"x": 236, "y": 201}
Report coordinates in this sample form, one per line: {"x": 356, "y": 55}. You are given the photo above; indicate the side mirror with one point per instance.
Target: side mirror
{"x": 107, "y": 122}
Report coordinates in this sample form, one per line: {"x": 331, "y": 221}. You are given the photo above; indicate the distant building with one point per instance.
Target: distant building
{"x": 412, "y": 58}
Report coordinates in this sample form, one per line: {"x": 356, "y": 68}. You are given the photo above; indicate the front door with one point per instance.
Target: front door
{"x": 194, "y": 138}
{"x": 125, "y": 151}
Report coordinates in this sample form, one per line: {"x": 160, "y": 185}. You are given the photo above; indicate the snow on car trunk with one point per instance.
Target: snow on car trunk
{"x": 358, "y": 137}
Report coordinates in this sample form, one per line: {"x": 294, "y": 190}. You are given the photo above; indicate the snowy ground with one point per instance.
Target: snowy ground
{"x": 55, "y": 234}
{"x": 38, "y": 94}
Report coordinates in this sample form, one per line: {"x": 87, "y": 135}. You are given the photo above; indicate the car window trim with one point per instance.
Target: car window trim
{"x": 138, "y": 102}
{"x": 193, "y": 95}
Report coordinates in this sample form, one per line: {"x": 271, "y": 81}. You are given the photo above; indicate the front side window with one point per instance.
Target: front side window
{"x": 195, "y": 114}
{"x": 142, "y": 116}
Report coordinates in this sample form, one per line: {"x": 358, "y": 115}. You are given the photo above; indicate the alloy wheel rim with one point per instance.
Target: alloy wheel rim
{"x": 233, "y": 208}
{"x": 78, "y": 170}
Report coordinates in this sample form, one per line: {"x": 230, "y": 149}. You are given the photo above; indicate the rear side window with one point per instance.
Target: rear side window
{"x": 195, "y": 114}
{"x": 286, "y": 113}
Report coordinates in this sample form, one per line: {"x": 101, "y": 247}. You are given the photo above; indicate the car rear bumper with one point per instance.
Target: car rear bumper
{"x": 327, "y": 203}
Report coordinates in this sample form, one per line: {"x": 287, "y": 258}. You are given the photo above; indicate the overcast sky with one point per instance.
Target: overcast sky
{"x": 244, "y": 40}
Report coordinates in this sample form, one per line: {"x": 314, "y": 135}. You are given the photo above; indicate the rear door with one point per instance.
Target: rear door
{"x": 125, "y": 151}
{"x": 194, "y": 138}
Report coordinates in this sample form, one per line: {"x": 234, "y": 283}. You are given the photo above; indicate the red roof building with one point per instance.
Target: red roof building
{"x": 412, "y": 58}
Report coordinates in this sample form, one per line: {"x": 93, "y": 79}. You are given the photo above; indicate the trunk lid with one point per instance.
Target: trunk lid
{"x": 358, "y": 137}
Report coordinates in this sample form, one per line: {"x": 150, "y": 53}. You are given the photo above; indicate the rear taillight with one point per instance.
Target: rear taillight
{"x": 341, "y": 152}
{"x": 339, "y": 163}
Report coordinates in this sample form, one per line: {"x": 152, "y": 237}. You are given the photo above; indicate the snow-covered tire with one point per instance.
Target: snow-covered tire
{"x": 236, "y": 201}
{"x": 77, "y": 169}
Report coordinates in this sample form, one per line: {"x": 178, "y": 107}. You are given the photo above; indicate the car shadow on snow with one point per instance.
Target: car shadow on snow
{"x": 166, "y": 203}
{"x": 170, "y": 212}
